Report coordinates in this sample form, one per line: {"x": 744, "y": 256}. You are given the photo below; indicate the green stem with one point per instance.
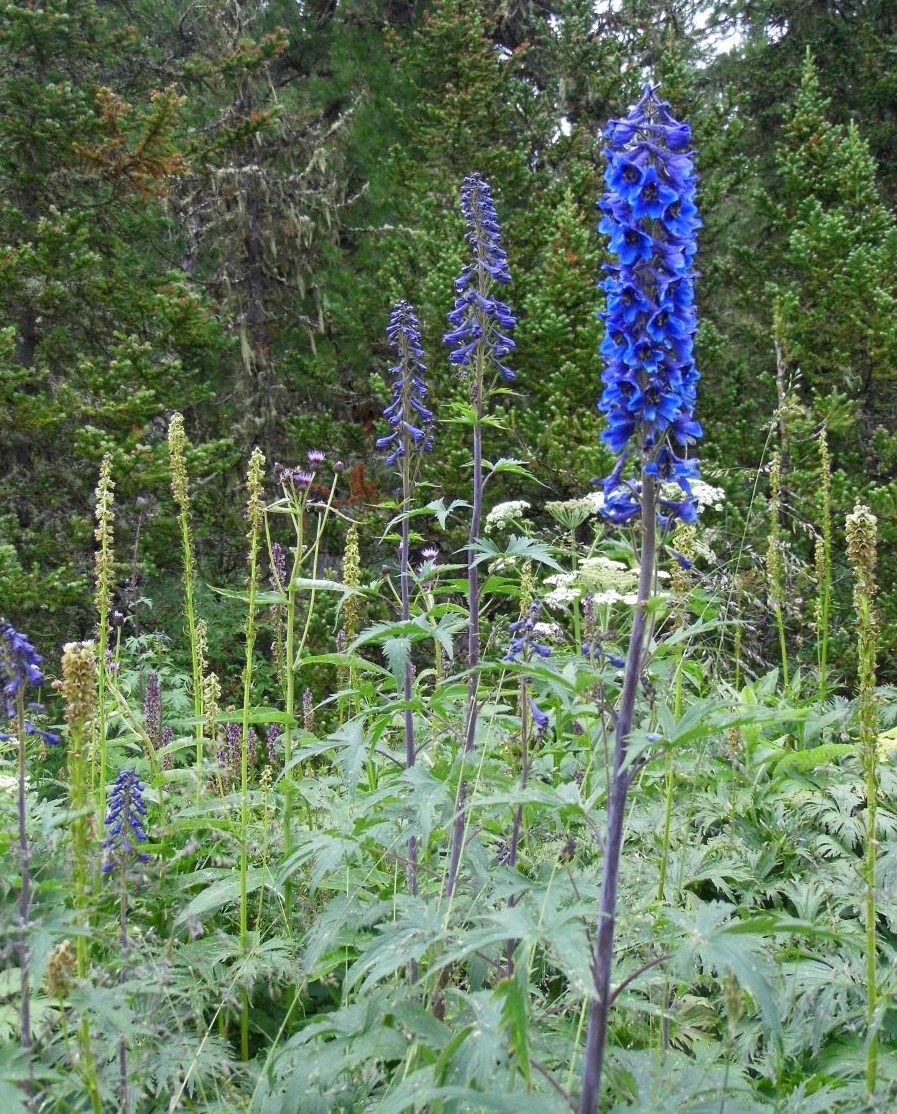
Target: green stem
{"x": 668, "y": 782}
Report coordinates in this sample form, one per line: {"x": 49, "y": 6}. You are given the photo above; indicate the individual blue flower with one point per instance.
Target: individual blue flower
{"x": 650, "y": 377}
{"x": 524, "y": 640}
{"x": 411, "y": 421}
{"x": 125, "y": 822}
{"x": 20, "y": 666}
{"x": 481, "y": 322}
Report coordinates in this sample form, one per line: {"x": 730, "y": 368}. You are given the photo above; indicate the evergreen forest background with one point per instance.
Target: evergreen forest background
{"x": 210, "y": 207}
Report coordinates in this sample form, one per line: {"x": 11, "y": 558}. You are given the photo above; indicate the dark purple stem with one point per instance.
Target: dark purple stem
{"x": 602, "y": 962}
{"x": 473, "y": 606}
{"x": 25, "y": 892}
{"x": 123, "y": 939}
{"x": 405, "y": 581}
{"x": 518, "y": 815}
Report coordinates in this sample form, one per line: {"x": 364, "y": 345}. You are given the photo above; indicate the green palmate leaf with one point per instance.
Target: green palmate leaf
{"x": 527, "y": 549}
{"x": 441, "y": 512}
{"x": 507, "y": 464}
{"x": 713, "y": 940}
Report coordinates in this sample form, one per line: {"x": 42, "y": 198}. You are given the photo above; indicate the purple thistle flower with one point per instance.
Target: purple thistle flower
{"x": 152, "y": 709}
{"x": 409, "y": 419}
{"x": 295, "y": 477}
{"x": 125, "y": 821}
{"x": 19, "y": 667}
{"x": 478, "y": 318}
{"x": 650, "y": 376}
{"x": 315, "y": 457}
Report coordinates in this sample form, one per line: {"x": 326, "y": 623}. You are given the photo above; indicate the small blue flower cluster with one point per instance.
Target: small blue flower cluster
{"x": 523, "y": 631}
{"x": 650, "y": 376}
{"x": 477, "y": 317}
{"x": 125, "y": 821}
{"x": 19, "y": 667}
{"x": 409, "y": 419}
{"x": 524, "y": 642}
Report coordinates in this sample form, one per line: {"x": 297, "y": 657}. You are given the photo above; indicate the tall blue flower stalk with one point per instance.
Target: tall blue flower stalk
{"x": 481, "y": 343}
{"x": 411, "y": 433}
{"x": 648, "y": 400}
{"x": 20, "y": 666}
{"x": 125, "y": 824}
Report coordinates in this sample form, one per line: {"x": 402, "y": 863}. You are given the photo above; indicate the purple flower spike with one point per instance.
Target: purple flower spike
{"x": 479, "y": 319}
{"x": 125, "y": 821}
{"x": 19, "y": 667}
{"x": 410, "y": 421}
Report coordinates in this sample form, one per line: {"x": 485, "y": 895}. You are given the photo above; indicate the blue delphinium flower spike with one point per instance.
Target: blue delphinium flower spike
{"x": 411, "y": 422}
{"x": 19, "y": 667}
{"x": 524, "y": 641}
{"x": 477, "y": 315}
{"x": 125, "y": 821}
{"x": 650, "y": 376}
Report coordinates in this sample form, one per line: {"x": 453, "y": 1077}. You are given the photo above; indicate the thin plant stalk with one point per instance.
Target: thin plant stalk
{"x": 621, "y": 777}
{"x": 669, "y": 779}
{"x": 255, "y": 513}
{"x": 105, "y": 558}
{"x": 861, "y": 533}
{"x": 178, "y": 462}
{"x": 25, "y": 889}
{"x": 824, "y": 563}
{"x": 123, "y": 942}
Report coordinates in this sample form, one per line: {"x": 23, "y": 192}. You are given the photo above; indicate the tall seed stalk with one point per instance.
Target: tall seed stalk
{"x": 105, "y": 578}
{"x": 480, "y": 324}
{"x": 823, "y": 561}
{"x": 79, "y": 690}
{"x": 861, "y": 531}
{"x": 255, "y": 511}
{"x": 177, "y": 456}
{"x": 775, "y": 571}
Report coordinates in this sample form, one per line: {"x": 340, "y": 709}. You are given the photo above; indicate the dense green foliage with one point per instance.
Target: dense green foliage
{"x": 208, "y": 209}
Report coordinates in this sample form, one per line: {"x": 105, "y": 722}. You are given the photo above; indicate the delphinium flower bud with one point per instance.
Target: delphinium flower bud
{"x": 166, "y": 740}
{"x": 308, "y": 711}
{"x": 233, "y": 733}
{"x": 152, "y": 709}
{"x": 409, "y": 419}
{"x": 650, "y": 375}
{"x": 19, "y": 667}
{"x": 477, "y": 315}
{"x": 125, "y": 821}
{"x": 271, "y": 736}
